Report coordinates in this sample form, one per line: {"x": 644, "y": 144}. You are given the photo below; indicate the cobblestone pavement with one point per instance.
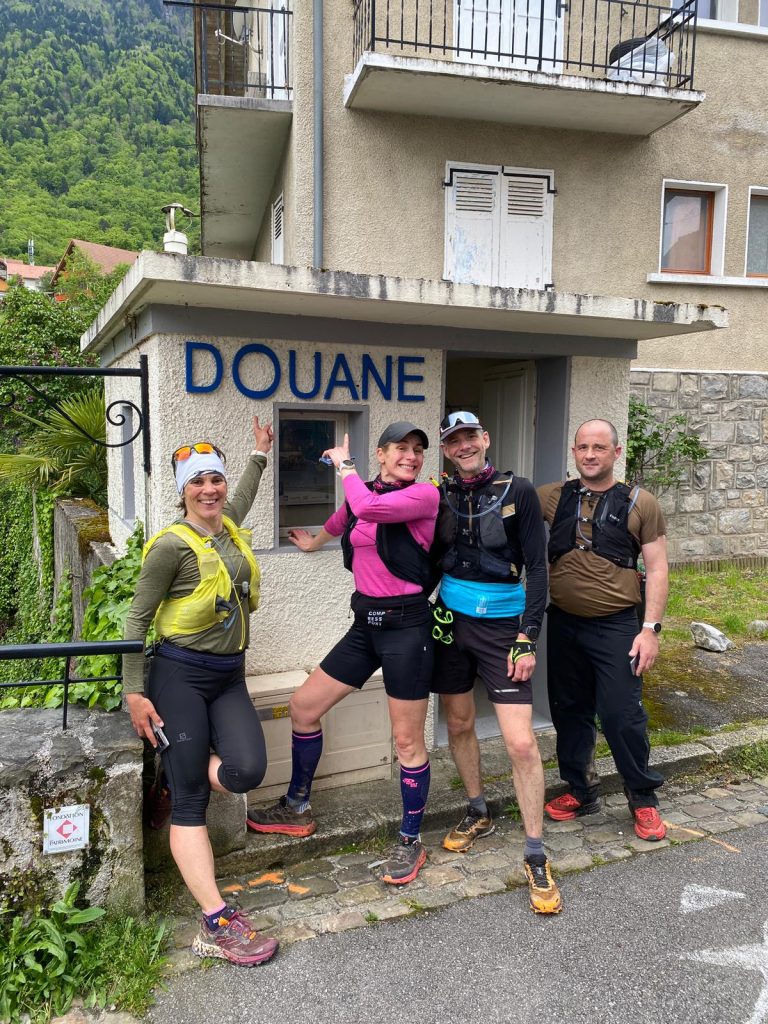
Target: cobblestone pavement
{"x": 340, "y": 891}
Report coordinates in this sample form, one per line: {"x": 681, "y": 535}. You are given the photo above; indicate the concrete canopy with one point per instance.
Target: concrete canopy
{"x": 203, "y": 282}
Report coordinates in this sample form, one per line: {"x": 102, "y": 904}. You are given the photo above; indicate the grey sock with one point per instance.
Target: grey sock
{"x": 533, "y": 846}
{"x": 477, "y": 803}
{"x": 297, "y": 805}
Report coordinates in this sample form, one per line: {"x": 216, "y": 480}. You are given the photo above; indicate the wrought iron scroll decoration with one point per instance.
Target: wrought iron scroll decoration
{"x": 115, "y": 419}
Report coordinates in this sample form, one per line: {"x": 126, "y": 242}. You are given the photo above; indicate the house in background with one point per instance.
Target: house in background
{"x": 406, "y": 209}
{"x": 105, "y": 257}
{"x": 31, "y": 275}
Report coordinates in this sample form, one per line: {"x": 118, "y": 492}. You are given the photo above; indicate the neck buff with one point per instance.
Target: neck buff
{"x": 381, "y": 487}
{"x": 195, "y": 465}
{"x": 470, "y": 483}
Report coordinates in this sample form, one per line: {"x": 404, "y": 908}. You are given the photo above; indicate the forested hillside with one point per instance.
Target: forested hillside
{"x": 96, "y": 122}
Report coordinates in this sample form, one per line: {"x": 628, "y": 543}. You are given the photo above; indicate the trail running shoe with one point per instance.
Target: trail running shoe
{"x": 542, "y": 890}
{"x": 282, "y": 818}
{"x": 405, "y": 860}
{"x": 472, "y": 826}
{"x": 648, "y": 824}
{"x": 234, "y": 940}
{"x": 567, "y": 807}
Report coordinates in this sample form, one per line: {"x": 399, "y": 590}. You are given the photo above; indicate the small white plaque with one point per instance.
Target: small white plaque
{"x": 66, "y": 828}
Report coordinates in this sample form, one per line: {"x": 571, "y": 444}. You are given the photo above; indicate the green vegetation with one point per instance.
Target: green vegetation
{"x": 370, "y": 917}
{"x": 659, "y": 452}
{"x": 729, "y": 599}
{"x": 98, "y": 123}
{"x": 512, "y": 810}
{"x": 752, "y": 760}
{"x": 49, "y": 956}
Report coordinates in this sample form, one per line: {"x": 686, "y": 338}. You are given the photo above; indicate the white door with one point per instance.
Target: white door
{"x": 507, "y": 413}
{"x": 510, "y": 33}
{"x": 525, "y": 252}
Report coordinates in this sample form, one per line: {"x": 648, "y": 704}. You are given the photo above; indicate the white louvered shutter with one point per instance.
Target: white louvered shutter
{"x": 278, "y": 248}
{"x": 525, "y": 259}
{"x": 472, "y": 227}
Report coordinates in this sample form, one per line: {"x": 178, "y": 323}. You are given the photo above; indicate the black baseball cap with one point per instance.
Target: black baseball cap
{"x": 398, "y": 431}
{"x": 458, "y": 421}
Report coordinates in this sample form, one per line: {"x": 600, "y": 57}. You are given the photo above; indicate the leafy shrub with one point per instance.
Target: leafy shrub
{"x": 47, "y": 957}
{"x": 659, "y": 452}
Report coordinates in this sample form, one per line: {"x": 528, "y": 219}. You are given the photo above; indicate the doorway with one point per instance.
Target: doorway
{"x": 525, "y": 34}
{"x": 503, "y": 396}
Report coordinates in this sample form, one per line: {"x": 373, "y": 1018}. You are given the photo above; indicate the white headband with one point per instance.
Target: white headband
{"x": 196, "y": 464}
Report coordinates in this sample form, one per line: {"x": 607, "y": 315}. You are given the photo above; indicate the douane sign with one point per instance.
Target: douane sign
{"x": 258, "y": 370}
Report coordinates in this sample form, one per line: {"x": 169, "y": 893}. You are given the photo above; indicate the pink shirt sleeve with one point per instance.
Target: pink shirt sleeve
{"x": 419, "y": 501}
{"x": 337, "y": 523}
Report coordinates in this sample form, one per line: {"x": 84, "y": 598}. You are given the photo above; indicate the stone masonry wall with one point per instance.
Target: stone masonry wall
{"x": 720, "y": 510}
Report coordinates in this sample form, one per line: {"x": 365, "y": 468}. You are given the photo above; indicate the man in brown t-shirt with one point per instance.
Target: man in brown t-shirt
{"x": 595, "y": 653}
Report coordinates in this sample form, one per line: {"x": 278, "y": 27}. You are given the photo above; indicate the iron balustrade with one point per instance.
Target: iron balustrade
{"x": 243, "y": 51}
{"x": 67, "y": 651}
{"x": 645, "y": 43}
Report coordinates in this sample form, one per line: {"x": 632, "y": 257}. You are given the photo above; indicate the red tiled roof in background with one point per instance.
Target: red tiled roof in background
{"x": 106, "y": 257}
{"x": 31, "y": 273}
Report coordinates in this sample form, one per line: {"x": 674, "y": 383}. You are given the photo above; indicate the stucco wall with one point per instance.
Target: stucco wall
{"x": 384, "y": 204}
{"x": 305, "y": 597}
{"x": 599, "y": 390}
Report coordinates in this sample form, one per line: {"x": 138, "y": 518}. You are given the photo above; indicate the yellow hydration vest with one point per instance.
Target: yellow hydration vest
{"x": 180, "y": 616}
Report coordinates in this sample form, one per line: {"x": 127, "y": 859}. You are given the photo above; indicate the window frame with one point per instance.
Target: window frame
{"x": 716, "y": 225}
{"x": 350, "y": 420}
{"x": 278, "y": 242}
{"x": 761, "y": 193}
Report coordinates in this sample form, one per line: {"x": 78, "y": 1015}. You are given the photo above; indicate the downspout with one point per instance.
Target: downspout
{"x": 317, "y": 164}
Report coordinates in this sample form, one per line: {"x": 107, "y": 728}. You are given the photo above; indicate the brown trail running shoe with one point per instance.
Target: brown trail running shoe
{"x": 234, "y": 940}
{"x": 471, "y": 827}
{"x": 281, "y": 818}
{"x": 543, "y": 893}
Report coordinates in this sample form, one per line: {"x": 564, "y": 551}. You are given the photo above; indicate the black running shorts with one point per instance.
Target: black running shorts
{"x": 480, "y": 648}
{"x": 396, "y": 639}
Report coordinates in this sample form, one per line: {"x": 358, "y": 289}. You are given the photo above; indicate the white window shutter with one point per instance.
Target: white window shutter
{"x": 472, "y": 227}
{"x": 525, "y": 259}
{"x": 278, "y": 248}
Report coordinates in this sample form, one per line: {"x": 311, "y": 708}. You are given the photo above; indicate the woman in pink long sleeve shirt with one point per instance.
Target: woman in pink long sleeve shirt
{"x": 386, "y": 527}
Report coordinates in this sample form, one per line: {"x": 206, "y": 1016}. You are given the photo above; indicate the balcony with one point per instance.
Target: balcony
{"x": 589, "y": 65}
{"x": 244, "y": 76}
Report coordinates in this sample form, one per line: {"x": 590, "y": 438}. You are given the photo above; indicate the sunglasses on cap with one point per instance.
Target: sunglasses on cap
{"x": 202, "y": 448}
{"x": 460, "y": 419}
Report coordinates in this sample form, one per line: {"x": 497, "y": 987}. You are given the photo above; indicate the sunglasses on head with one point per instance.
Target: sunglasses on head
{"x": 202, "y": 448}
{"x": 456, "y": 419}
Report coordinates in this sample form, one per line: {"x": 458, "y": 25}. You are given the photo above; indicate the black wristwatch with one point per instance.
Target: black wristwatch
{"x": 655, "y": 626}
{"x": 532, "y": 632}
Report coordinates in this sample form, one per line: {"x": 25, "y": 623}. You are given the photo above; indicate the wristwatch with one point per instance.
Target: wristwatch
{"x": 655, "y": 626}
{"x": 532, "y": 632}
{"x": 347, "y": 464}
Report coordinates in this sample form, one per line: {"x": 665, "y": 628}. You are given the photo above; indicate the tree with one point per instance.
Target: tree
{"x": 659, "y": 452}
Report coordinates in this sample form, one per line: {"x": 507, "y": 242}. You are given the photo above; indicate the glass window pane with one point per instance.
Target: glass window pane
{"x": 705, "y": 8}
{"x": 763, "y": 18}
{"x": 757, "y": 245}
{"x": 685, "y": 243}
{"x": 307, "y": 486}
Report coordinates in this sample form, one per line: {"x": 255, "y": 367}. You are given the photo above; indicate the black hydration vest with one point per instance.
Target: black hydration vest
{"x": 475, "y": 535}
{"x": 611, "y": 538}
{"x": 398, "y": 549}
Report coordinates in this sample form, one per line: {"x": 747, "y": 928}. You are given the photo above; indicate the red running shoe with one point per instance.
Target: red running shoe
{"x": 648, "y": 824}
{"x": 567, "y": 807}
{"x": 234, "y": 940}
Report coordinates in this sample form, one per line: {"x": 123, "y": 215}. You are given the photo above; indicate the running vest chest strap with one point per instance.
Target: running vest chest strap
{"x": 611, "y": 538}
{"x": 478, "y": 530}
{"x": 398, "y": 549}
{"x": 182, "y": 616}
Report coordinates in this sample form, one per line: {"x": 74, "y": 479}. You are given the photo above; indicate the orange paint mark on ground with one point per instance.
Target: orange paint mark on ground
{"x": 268, "y": 878}
{"x": 297, "y": 890}
{"x": 236, "y": 887}
{"x": 703, "y": 835}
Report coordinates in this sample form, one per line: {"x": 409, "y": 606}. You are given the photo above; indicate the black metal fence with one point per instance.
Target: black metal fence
{"x": 244, "y": 51}
{"x": 67, "y": 651}
{"x": 621, "y": 40}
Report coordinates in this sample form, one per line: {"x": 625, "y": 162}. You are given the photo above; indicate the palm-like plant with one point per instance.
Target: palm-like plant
{"x": 58, "y": 456}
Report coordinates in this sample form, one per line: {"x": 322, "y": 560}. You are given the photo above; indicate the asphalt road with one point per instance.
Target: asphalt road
{"x": 679, "y": 935}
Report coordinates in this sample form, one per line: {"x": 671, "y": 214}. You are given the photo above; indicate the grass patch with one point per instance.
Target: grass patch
{"x": 674, "y": 738}
{"x": 752, "y": 760}
{"x": 512, "y": 810}
{"x": 415, "y": 907}
{"x": 728, "y": 599}
{"x": 371, "y": 918}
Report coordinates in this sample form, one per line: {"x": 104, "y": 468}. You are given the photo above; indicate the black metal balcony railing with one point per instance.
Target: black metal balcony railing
{"x": 67, "y": 651}
{"x": 621, "y": 40}
{"x": 244, "y": 51}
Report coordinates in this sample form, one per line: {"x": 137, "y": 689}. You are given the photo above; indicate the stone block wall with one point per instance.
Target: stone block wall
{"x": 97, "y": 761}
{"x": 720, "y": 509}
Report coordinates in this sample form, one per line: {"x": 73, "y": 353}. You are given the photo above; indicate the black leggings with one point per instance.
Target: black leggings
{"x": 204, "y": 708}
